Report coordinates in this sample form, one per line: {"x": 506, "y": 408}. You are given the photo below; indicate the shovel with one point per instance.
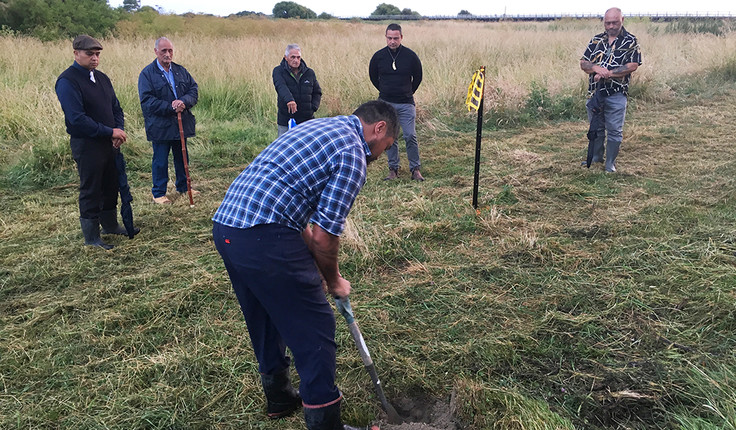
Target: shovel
{"x": 343, "y": 305}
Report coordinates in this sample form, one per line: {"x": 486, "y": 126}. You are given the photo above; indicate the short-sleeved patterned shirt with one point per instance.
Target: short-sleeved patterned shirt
{"x": 624, "y": 50}
{"x": 314, "y": 171}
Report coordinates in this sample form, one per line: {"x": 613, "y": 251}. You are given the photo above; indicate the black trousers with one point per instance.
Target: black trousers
{"x": 98, "y": 176}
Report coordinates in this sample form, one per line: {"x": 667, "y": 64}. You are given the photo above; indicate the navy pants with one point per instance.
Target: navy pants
{"x": 160, "y": 166}
{"x": 280, "y": 293}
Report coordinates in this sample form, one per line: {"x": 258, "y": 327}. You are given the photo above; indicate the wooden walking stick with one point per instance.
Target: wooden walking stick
{"x": 184, "y": 156}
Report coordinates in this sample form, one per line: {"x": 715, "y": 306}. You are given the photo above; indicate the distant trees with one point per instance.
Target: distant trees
{"x": 408, "y": 12}
{"x": 386, "y": 9}
{"x": 249, "y": 13}
{"x": 389, "y": 9}
{"x": 289, "y": 9}
{"x": 131, "y": 5}
{"x": 54, "y": 19}
{"x": 464, "y": 12}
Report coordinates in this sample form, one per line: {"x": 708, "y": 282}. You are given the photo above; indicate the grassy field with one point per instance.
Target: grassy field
{"x": 572, "y": 299}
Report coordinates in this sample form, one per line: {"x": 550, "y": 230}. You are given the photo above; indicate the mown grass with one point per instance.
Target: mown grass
{"x": 571, "y": 299}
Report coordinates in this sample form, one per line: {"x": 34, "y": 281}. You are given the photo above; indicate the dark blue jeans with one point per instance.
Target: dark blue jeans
{"x": 280, "y": 293}
{"x": 160, "y": 166}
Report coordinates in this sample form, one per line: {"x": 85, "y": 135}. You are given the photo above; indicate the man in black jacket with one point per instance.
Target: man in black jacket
{"x": 299, "y": 93}
{"x": 94, "y": 120}
{"x": 397, "y": 72}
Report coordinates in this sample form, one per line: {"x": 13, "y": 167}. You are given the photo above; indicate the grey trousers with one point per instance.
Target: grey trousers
{"x": 407, "y": 116}
{"x": 614, "y": 113}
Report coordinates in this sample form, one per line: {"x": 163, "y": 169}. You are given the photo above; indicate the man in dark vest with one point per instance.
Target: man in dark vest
{"x": 94, "y": 120}
{"x": 165, "y": 90}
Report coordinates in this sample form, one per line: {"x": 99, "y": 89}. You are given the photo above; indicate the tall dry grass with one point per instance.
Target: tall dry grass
{"x": 233, "y": 62}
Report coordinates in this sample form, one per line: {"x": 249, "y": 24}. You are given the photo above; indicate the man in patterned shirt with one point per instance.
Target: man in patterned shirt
{"x": 312, "y": 174}
{"x": 609, "y": 60}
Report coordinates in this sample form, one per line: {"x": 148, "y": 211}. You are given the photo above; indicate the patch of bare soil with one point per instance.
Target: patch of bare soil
{"x": 422, "y": 414}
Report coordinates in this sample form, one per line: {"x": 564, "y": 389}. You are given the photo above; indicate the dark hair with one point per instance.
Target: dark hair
{"x": 394, "y": 27}
{"x": 378, "y": 110}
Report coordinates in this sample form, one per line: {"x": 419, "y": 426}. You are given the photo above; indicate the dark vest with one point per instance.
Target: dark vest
{"x": 97, "y": 97}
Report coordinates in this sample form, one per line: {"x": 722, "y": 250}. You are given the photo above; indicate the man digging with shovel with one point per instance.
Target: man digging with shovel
{"x": 312, "y": 174}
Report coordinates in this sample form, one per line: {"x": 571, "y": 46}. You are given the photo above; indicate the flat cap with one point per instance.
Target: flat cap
{"x": 84, "y": 43}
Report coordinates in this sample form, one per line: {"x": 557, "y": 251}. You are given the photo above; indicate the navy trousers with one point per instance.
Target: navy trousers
{"x": 160, "y": 166}
{"x": 280, "y": 293}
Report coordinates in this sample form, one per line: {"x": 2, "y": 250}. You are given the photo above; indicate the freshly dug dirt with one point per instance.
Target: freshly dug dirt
{"x": 422, "y": 414}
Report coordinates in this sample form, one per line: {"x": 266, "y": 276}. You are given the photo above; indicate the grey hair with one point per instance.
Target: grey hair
{"x": 291, "y": 46}
{"x": 155, "y": 45}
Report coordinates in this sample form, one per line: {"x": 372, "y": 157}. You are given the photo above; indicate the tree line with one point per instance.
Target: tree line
{"x": 57, "y": 19}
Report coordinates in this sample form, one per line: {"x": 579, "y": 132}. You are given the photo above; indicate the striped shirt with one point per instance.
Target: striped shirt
{"x": 625, "y": 49}
{"x": 313, "y": 172}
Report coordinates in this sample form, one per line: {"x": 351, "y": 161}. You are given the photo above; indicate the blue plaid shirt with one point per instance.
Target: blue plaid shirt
{"x": 314, "y": 171}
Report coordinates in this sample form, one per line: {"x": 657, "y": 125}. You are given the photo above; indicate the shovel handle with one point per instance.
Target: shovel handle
{"x": 343, "y": 306}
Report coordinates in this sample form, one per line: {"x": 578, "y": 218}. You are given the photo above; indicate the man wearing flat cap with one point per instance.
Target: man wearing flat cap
{"x": 94, "y": 120}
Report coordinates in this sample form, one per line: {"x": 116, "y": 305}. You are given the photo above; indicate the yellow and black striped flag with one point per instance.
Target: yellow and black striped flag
{"x": 475, "y": 90}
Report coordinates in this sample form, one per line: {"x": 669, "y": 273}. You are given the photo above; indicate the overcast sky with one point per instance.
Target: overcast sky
{"x": 353, "y": 8}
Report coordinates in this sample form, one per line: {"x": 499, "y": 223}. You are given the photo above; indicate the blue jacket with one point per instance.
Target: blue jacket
{"x": 156, "y": 96}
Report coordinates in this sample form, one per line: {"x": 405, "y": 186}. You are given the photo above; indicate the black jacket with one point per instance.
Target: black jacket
{"x": 306, "y": 92}
{"x": 396, "y": 85}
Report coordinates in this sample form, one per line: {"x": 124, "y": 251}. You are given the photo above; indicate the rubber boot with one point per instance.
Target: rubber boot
{"x": 612, "y": 149}
{"x": 109, "y": 222}
{"x": 91, "y": 232}
{"x": 328, "y": 418}
{"x": 281, "y": 397}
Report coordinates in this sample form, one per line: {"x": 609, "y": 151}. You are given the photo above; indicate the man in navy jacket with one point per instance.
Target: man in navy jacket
{"x": 166, "y": 89}
{"x": 299, "y": 93}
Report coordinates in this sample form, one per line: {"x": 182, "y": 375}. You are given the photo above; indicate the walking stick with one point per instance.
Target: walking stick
{"x": 186, "y": 163}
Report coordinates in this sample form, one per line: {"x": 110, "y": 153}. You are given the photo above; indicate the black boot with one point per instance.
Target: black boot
{"x": 109, "y": 222}
{"x": 91, "y": 232}
{"x": 281, "y": 397}
{"x": 326, "y": 418}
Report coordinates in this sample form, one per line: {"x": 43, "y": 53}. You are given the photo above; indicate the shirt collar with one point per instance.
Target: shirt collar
{"x": 160, "y": 67}
{"x": 359, "y": 129}
{"x": 79, "y": 67}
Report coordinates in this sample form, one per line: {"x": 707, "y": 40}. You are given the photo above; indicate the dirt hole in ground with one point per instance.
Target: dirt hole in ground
{"x": 422, "y": 413}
